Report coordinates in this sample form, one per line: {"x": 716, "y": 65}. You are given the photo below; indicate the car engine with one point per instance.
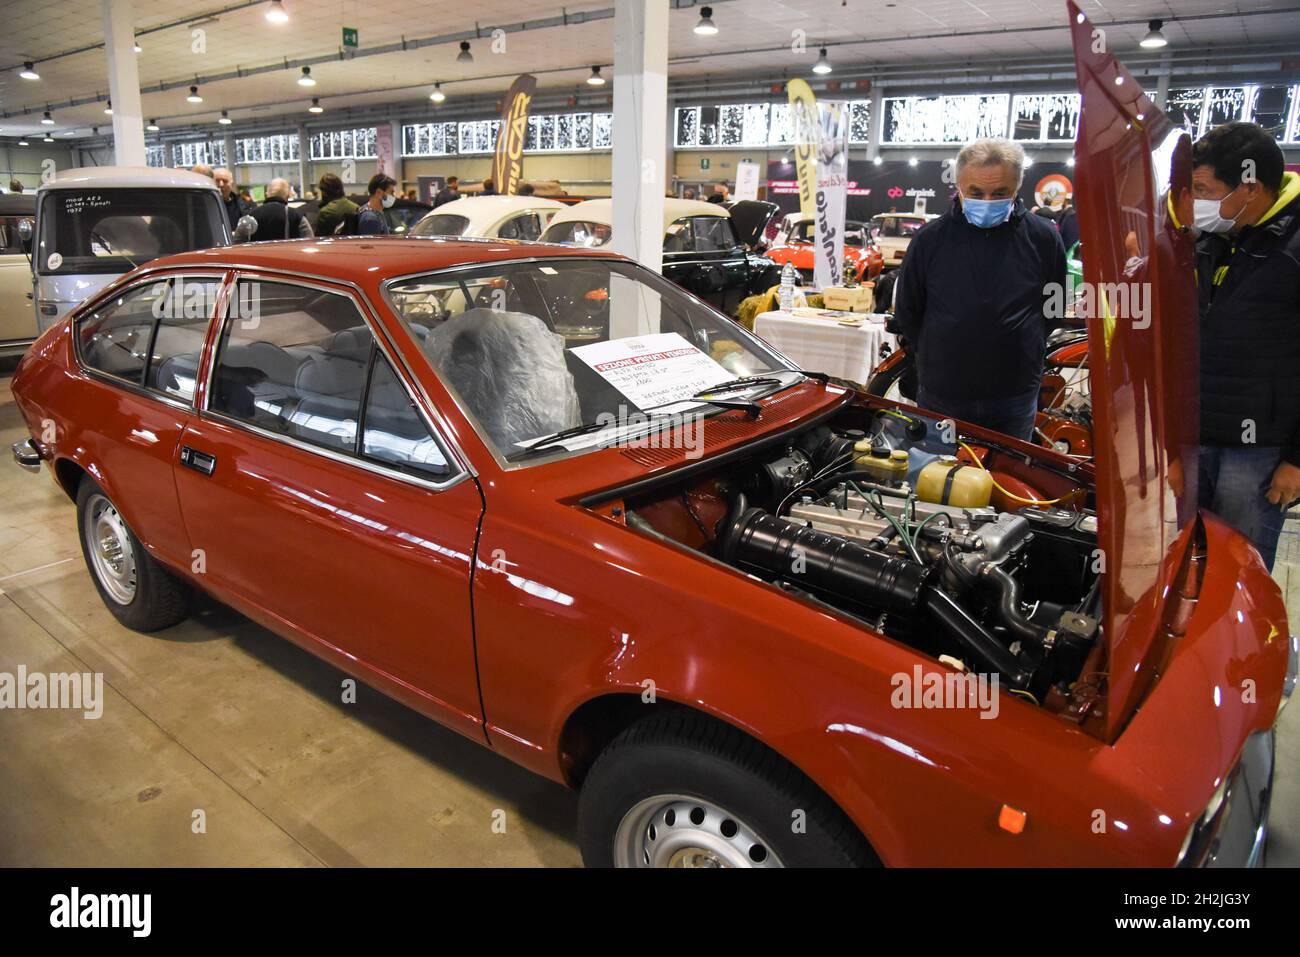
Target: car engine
{"x": 886, "y": 524}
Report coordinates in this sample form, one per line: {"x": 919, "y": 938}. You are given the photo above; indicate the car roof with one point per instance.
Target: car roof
{"x": 102, "y": 177}
{"x": 484, "y": 211}
{"x": 602, "y": 211}
{"x": 365, "y": 259}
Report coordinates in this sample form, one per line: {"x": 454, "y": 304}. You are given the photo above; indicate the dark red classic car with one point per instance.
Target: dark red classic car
{"x": 554, "y": 502}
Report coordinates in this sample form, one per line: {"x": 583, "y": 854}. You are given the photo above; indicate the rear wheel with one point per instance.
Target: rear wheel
{"x": 684, "y": 790}
{"x": 139, "y": 591}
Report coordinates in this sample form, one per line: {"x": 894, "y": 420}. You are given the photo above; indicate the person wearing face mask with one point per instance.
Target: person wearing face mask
{"x": 1247, "y": 209}
{"x": 372, "y": 221}
{"x": 971, "y": 299}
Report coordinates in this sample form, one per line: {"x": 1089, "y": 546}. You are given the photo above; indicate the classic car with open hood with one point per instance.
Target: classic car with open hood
{"x": 554, "y": 502}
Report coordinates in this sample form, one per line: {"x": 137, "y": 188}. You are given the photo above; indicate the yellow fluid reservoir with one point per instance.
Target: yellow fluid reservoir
{"x": 885, "y": 466}
{"x": 945, "y": 481}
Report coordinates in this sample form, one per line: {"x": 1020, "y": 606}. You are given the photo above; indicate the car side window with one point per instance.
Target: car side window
{"x": 713, "y": 234}
{"x": 523, "y": 226}
{"x": 114, "y": 339}
{"x": 293, "y": 360}
{"x": 394, "y": 432}
{"x": 183, "y": 312}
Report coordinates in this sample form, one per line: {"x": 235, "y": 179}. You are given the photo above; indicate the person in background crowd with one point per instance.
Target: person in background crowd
{"x": 372, "y": 221}
{"x": 412, "y": 194}
{"x": 688, "y": 193}
{"x": 275, "y": 220}
{"x": 204, "y": 169}
{"x": 972, "y": 295}
{"x": 721, "y": 193}
{"x": 15, "y": 186}
{"x": 489, "y": 187}
{"x": 1247, "y": 208}
{"x": 335, "y": 206}
{"x": 235, "y": 207}
{"x": 448, "y": 193}
{"x": 527, "y": 189}
{"x": 1064, "y": 218}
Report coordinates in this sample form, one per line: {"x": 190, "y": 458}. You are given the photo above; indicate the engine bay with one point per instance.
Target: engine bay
{"x": 966, "y": 551}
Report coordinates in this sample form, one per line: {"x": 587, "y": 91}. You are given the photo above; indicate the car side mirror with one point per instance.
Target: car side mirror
{"x": 245, "y": 228}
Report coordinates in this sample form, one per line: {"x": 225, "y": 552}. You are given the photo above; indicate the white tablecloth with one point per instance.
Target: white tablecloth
{"x": 823, "y": 345}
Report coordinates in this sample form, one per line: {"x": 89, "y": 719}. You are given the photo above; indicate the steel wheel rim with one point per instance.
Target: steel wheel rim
{"x": 108, "y": 541}
{"x": 676, "y": 830}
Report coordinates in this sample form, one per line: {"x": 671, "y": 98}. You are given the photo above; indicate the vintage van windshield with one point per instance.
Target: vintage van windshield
{"x": 112, "y": 230}
{"x": 531, "y": 348}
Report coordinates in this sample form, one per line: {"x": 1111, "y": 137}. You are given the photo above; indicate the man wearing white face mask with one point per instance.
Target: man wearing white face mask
{"x": 372, "y": 221}
{"x": 1248, "y": 273}
{"x": 971, "y": 298}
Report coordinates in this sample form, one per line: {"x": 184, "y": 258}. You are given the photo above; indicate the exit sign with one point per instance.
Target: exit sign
{"x": 350, "y": 37}
{"x": 704, "y": 162}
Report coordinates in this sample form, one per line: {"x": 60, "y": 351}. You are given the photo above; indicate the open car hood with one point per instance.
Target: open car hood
{"x": 1133, "y": 172}
{"x": 750, "y": 217}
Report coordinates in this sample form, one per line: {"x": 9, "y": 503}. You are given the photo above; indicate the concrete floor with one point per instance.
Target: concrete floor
{"x": 220, "y": 716}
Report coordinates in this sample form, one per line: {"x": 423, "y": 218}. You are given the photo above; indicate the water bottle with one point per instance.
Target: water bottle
{"x": 789, "y": 278}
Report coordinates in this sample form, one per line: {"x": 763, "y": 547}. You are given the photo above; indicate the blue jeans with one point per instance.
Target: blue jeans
{"x": 1011, "y": 415}
{"x": 1233, "y": 482}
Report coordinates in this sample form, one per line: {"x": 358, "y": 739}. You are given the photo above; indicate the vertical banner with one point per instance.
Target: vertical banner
{"x": 832, "y": 193}
{"x": 384, "y": 149}
{"x": 805, "y": 131}
{"x": 746, "y": 181}
{"x": 508, "y": 164}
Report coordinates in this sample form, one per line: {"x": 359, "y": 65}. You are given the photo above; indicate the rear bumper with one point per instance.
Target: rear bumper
{"x": 1242, "y": 833}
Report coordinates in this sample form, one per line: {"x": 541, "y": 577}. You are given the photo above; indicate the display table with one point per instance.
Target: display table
{"x": 819, "y": 341}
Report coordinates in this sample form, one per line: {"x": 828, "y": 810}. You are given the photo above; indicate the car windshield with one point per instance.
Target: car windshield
{"x": 532, "y": 348}
{"x": 896, "y": 227}
{"x": 577, "y": 232}
{"x": 806, "y": 232}
{"x": 113, "y": 230}
{"x": 441, "y": 224}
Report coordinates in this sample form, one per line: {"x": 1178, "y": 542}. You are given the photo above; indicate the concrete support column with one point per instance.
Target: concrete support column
{"x": 639, "y": 176}
{"x": 1162, "y": 81}
{"x": 123, "y": 82}
{"x": 876, "y": 119}
{"x": 228, "y": 144}
{"x": 303, "y": 185}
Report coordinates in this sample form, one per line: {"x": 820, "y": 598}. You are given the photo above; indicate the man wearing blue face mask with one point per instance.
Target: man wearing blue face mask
{"x": 1247, "y": 208}
{"x": 973, "y": 294}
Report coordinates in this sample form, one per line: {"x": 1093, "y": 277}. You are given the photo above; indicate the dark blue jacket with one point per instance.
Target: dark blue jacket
{"x": 972, "y": 303}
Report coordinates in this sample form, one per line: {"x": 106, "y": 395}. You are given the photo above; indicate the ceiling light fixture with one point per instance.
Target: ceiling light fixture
{"x": 138, "y": 48}
{"x": 28, "y": 72}
{"x": 49, "y": 138}
{"x": 437, "y": 95}
{"x": 465, "y": 56}
{"x": 153, "y": 126}
{"x": 823, "y": 65}
{"x": 47, "y": 120}
{"x": 911, "y": 161}
{"x": 108, "y": 108}
{"x": 276, "y": 12}
{"x": 706, "y": 27}
{"x": 877, "y": 160}
{"x": 306, "y": 79}
{"x": 315, "y": 106}
{"x": 194, "y": 96}
{"x": 23, "y": 143}
{"x": 1154, "y": 39}
{"x": 596, "y": 79}
{"x": 225, "y": 119}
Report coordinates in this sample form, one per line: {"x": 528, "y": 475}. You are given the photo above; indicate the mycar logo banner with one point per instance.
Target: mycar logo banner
{"x": 806, "y": 130}
{"x": 508, "y": 165}
{"x": 832, "y": 192}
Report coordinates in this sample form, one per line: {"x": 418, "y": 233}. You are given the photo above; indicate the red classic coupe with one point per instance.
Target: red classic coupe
{"x": 556, "y": 503}
{"x": 798, "y": 245}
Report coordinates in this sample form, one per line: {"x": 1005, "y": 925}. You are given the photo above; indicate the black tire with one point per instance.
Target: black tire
{"x": 680, "y": 756}
{"x": 157, "y": 599}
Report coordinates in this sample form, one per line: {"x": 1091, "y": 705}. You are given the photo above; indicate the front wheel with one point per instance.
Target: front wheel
{"x": 683, "y": 790}
{"x": 139, "y": 591}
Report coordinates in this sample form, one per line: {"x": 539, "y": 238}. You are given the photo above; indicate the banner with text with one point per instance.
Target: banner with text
{"x": 508, "y": 164}
{"x": 832, "y": 192}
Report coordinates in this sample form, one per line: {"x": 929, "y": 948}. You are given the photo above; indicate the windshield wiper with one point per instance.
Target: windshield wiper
{"x": 734, "y": 385}
{"x": 555, "y": 439}
{"x": 111, "y": 251}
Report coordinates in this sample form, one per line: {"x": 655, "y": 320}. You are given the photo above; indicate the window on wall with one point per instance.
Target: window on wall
{"x": 547, "y": 132}
{"x": 938, "y": 120}
{"x": 1272, "y": 106}
{"x": 343, "y": 144}
{"x": 1045, "y": 117}
{"x": 155, "y": 156}
{"x": 277, "y": 148}
{"x": 209, "y": 153}
{"x": 752, "y": 124}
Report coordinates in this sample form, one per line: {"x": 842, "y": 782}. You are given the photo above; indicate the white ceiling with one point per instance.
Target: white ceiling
{"x": 756, "y": 36}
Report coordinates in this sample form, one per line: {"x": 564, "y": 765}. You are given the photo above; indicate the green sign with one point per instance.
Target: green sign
{"x": 704, "y": 162}
{"x": 350, "y": 37}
